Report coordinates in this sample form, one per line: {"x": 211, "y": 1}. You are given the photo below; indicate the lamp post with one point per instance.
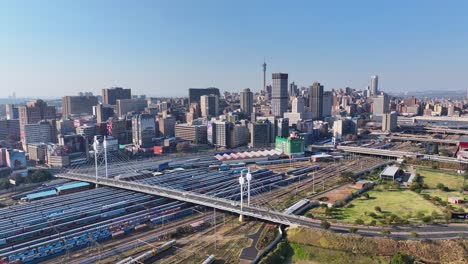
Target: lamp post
{"x": 241, "y": 182}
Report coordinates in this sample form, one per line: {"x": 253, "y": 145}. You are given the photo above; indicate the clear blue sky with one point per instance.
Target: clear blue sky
{"x": 161, "y": 48}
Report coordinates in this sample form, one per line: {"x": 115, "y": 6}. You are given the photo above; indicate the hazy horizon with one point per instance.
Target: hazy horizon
{"x": 160, "y": 49}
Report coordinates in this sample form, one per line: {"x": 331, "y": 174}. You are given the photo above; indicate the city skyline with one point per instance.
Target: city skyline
{"x": 65, "y": 46}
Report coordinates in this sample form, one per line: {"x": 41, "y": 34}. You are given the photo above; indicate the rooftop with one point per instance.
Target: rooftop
{"x": 390, "y": 171}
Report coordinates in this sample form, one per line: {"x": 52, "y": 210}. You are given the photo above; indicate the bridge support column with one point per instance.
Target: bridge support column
{"x": 241, "y": 218}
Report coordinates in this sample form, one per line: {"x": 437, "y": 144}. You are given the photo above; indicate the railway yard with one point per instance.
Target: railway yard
{"x": 110, "y": 225}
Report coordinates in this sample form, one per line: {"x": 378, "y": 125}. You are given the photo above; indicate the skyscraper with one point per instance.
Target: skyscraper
{"x": 34, "y": 112}
{"x": 246, "y": 101}
{"x": 196, "y": 93}
{"x": 327, "y": 103}
{"x": 143, "y": 130}
{"x": 279, "y": 98}
{"x": 381, "y": 104}
{"x": 293, "y": 89}
{"x": 316, "y": 100}
{"x": 374, "y": 90}
{"x": 110, "y": 95}
{"x": 77, "y": 105}
{"x": 209, "y": 105}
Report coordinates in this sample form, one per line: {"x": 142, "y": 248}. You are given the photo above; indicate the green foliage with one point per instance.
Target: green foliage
{"x": 401, "y": 258}
{"x": 280, "y": 255}
{"x": 325, "y": 224}
{"x": 4, "y": 184}
{"x": 359, "y": 221}
{"x": 353, "y": 230}
{"x": 378, "y": 209}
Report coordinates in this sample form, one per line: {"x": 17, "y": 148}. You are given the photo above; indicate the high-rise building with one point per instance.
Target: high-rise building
{"x": 260, "y": 134}
{"x": 381, "y": 104}
{"x": 111, "y": 95}
{"x": 327, "y": 103}
{"x": 65, "y": 126}
{"x": 297, "y": 105}
{"x": 239, "y": 136}
{"x": 343, "y": 127}
{"x": 195, "y": 133}
{"x": 196, "y": 93}
{"x": 9, "y": 127}
{"x": 11, "y": 111}
{"x": 293, "y": 91}
{"x": 33, "y": 112}
{"x": 167, "y": 126}
{"x": 282, "y": 127}
{"x": 41, "y": 132}
{"x": 209, "y": 105}
{"x": 279, "y": 96}
{"x": 374, "y": 89}
{"x": 78, "y": 105}
{"x": 389, "y": 122}
{"x": 117, "y": 128}
{"x": 103, "y": 113}
{"x": 143, "y": 130}
{"x": 246, "y": 101}
{"x": 126, "y": 106}
{"x": 316, "y": 100}
{"x": 222, "y": 134}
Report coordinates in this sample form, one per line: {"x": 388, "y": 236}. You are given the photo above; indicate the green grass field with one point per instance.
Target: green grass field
{"x": 404, "y": 203}
{"x": 310, "y": 254}
{"x": 432, "y": 177}
{"x": 450, "y": 179}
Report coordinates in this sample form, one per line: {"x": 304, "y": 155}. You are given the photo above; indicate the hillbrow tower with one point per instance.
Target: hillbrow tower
{"x": 264, "y": 75}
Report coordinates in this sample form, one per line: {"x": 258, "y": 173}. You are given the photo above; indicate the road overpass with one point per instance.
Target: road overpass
{"x": 420, "y": 139}
{"x": 428, "y": 232}
{"x": 398, "y": 154}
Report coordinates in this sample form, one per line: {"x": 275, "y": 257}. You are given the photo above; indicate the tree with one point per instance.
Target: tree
{"x": 378, "y": 209}
{"x": 401, "y": 258}
{"x": 183, "y": 147}
{"x": 353, "y": 230}
{"x": 17, "y": 177}
{"x": 435, "y": 148}
{"x": 325, "y": 224}
{"x": 359, "y": 221}
{"x": 366, "y": 195}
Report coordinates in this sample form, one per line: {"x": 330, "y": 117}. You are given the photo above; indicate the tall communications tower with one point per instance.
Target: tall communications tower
{"x": 264, "y": 75}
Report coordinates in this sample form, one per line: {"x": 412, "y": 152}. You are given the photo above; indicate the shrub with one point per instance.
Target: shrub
{"x": 378, "y": 209}
{"x": 325, "y": 224}
{"x": 353, "y": 230}
{"x": 401, "y": 258}
{"x": 359, "y": 221}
